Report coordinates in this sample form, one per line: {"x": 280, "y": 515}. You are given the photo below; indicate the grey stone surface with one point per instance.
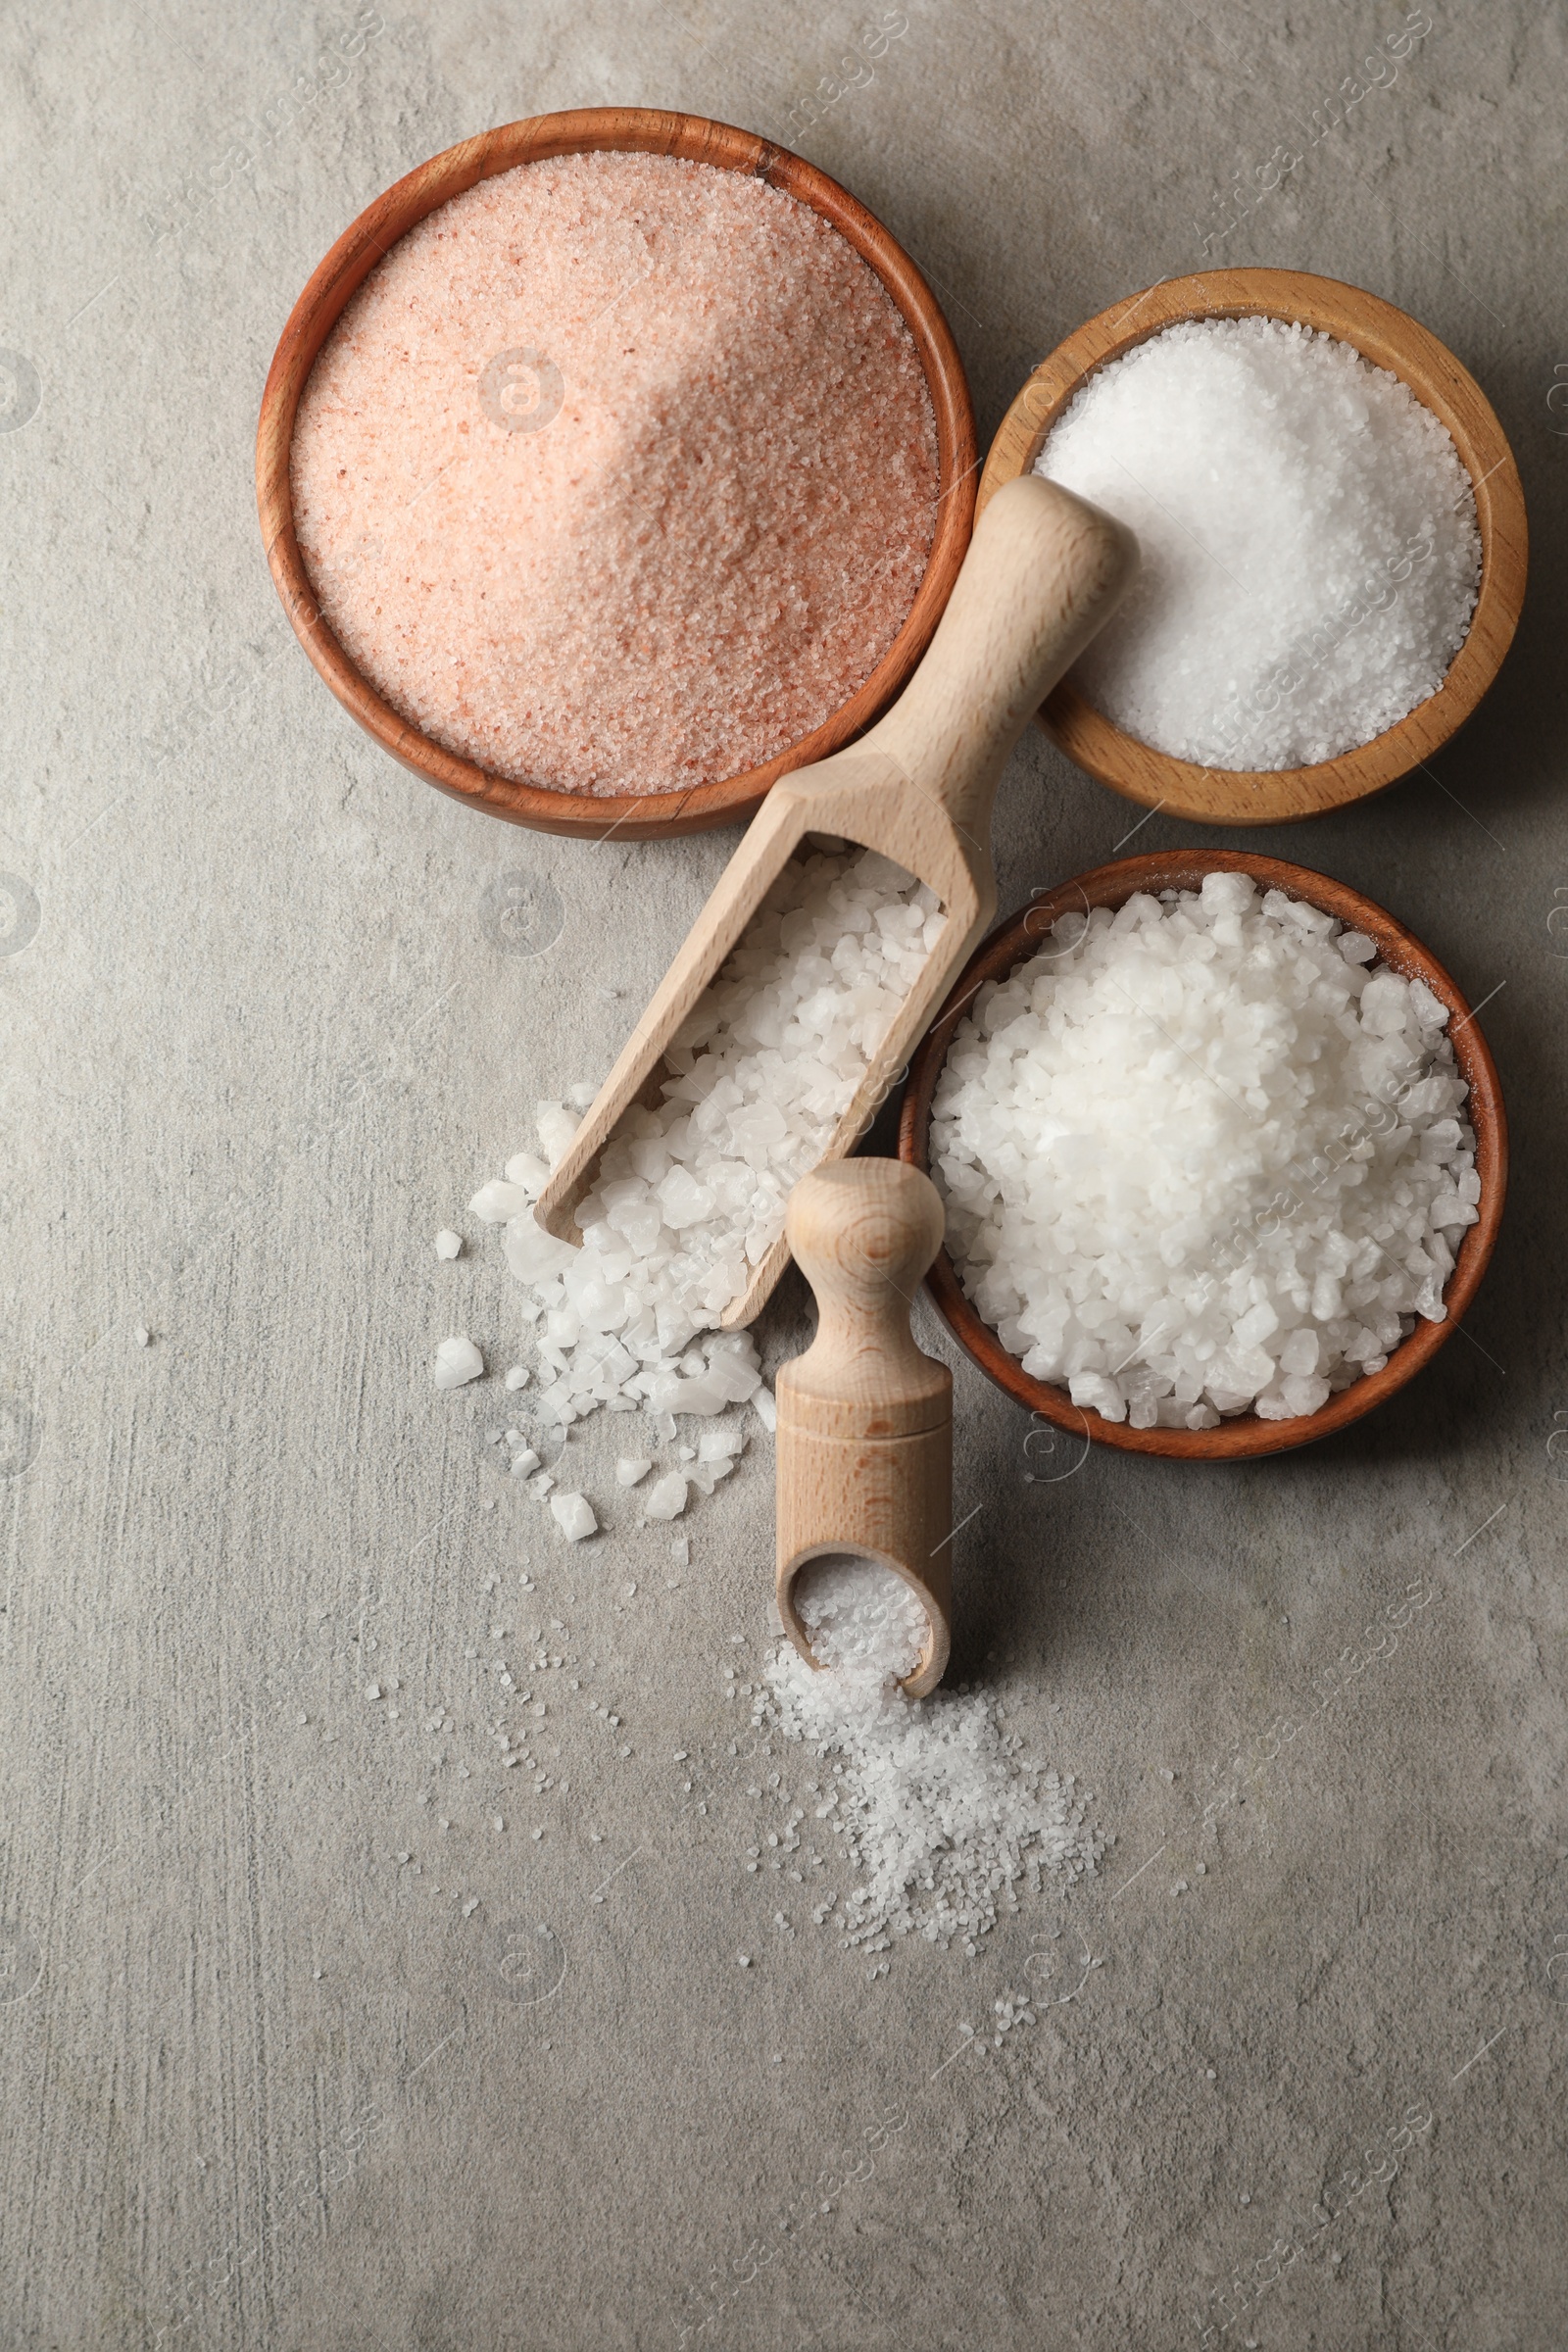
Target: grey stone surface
{"x": 265, "y": 1033}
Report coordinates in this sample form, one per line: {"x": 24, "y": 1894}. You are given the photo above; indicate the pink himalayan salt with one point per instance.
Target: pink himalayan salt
{"x": 704, "y": 551}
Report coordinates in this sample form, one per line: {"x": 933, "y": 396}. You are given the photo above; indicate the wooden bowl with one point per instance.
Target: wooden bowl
{"x": 364, "y": 243}
{"x": 1012, "y": 943}
{"x": 1389, "y": 339}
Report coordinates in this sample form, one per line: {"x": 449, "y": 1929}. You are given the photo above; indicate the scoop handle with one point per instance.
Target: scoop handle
{"x": 1043, "y": 570}
{"x": 865, "y": 1459}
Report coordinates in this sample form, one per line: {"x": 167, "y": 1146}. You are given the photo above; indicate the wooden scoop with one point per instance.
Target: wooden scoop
{"x": 864, "y": 1463}
{"x": 1043, "y": 571}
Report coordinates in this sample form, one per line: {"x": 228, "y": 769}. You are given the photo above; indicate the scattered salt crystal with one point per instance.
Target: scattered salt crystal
{"x": 766, "y": 1411}
{"x": 142, "y": 1336}
{"x": 666, "y": 1497}
{"x": 632, "y": 1467}
{"x": 1197, "y": 1163}
{"x": 719, "y": 1445}
{"x": 373, "y": 1691}
{"x": 447, "y": 1242}
{"x": 524, "y": 1463}
{"x": 688, "y": 1196}
{"x": 1310, "y": 555}
{"x": 518, "y": 1376}
{"x": 574, "y": 1515}
{"x": 455, "y": 1360}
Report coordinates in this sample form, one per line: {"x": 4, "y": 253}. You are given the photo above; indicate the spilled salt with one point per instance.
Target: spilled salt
{"x": 935, "y": 1805}
{"x": 690, "y": 1195}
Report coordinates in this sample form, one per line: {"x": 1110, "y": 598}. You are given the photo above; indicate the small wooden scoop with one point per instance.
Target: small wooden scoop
{"x": 864, "y": 1463}
{"x": 1043, "y": 571}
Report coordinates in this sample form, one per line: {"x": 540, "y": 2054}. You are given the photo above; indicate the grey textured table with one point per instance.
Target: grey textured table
{"x": 274, "y": 2070}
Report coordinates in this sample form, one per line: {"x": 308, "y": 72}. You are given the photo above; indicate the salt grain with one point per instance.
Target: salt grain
{"x": 1197, "y": 1162}
{"x": 447, "y": 1242}
{"x": 1310, "y": 555}
{"x": 666, "y": 1497}
{"x": 709, "y": 538}
{"x": 574, "y": 1515}
{"x": 455, "y": 1360}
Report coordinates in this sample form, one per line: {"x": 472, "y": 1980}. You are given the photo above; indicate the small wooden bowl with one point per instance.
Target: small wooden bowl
{"x": 1243, "y": 1435}
{"x": 643, "y": 816}
{"x": 1389, "y": 339}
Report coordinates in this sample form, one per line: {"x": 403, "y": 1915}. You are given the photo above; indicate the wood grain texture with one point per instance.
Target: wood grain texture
{"x": 643, "y": 130}
{"x": 1040, "y": 578}
{"x": 1389, "y": 338}
{"x": 1244, "y": 1436}
{"x": 864, "y": 1445}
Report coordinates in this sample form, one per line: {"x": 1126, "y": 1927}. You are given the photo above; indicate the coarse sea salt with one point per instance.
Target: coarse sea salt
{"x": 690, "y": 1195}
{"x": 933, "y": 1802}
{"x": 457, "y": 1360}
{"x": 1204, "y": 1155}
{"x": 1310, "y": 552}
{"x": 617, "y": 474}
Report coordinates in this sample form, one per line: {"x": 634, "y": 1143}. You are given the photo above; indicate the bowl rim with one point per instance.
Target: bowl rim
{"x": 1242, "y": 1437}
{"x": 1390, "y": 338}
{"x": 371, "y": 236}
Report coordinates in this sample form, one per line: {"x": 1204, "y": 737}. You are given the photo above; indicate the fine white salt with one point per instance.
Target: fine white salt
{"x": 1310, "y": 555}
{"x": 933, "y": 1802}
{"x": 1200, "y": 1158}
{"x": 455, "y": 1360}
{"x": 859, "y": 1615}
{"x": 689, "y": 1197}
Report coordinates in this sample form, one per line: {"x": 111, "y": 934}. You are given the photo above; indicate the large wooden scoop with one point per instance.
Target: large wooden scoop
{"x": 1043, "y": 570}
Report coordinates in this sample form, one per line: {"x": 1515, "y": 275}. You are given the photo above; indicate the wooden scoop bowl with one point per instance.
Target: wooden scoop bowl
{"x": 864, "y": 1460}
{"x": 1042, "y": 573}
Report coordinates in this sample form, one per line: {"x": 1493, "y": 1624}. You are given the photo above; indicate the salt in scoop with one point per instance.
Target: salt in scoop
{"x": 1043, "y": 570}
{"x": 865, "y": 1461}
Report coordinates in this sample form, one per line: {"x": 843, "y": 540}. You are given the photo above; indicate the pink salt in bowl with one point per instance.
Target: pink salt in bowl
{"x": 732, "y": 798}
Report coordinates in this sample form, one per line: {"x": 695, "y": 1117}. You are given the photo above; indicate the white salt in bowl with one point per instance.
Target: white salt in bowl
{"x": 1243, "y": 1435}
{"x": 731, "y": 800}
{"x": 1389, "y": 338}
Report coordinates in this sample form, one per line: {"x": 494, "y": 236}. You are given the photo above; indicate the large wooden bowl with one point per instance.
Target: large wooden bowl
{"x": 1389, "y": 339}
{"x": 1243, "y": 1435}
{"x": 357, "y": 252}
